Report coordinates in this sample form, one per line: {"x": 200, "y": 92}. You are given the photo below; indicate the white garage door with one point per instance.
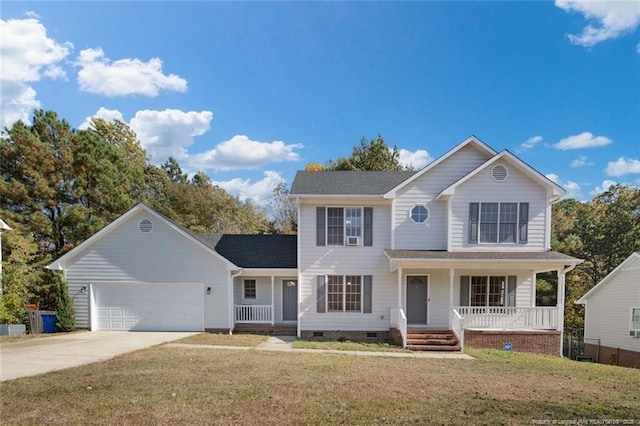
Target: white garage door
{"x": 148, "y": 307}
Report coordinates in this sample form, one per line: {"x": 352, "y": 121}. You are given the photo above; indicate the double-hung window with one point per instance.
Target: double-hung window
{"x": 498, "y": 222}
{"x": 488, "y": 290}
{"x": 249, "y": 289}
{"x": 337, "y": 226}
{"x": 635, "y": 322}
{"x": 344, "y": 293}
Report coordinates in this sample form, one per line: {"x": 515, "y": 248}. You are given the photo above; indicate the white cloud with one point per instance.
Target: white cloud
{"x": 600, "y": 189}
{"x": 125, "y": 76}
{"x": 529, "y": 143}
{"x": 583, "y": 140}
{"x": 242, "y": 153}
{"x": 31, "y": 14}
{"x": 638, "y": 47}
{"x": 607, "y": 19}
{"x": 260, "y": 192}
{"x": 26, "y": 55}
{"x": 417, "y": 159}
{"x": 573, "y": 189}
{"x": 107, "y": 115}
{"x": 623, "y": 166}
{"x": 581, "y": 161}
{"x": 169, "y": 132}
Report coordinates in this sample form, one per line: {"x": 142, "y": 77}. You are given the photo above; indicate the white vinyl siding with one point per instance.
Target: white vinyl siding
{"x": 433, "y": 235}
{"x": 519, "y": 188}
{"x": 608, "y": 310}
{"x": 327, "y": 260}
{"x": 126, "y": 255}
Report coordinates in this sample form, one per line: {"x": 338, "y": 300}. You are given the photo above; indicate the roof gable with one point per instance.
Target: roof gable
{"x": 471, "y": 140}
{"x": 634, "y": 257}
{"x": 58, "y": 263}
{"x": 508, "y": 157}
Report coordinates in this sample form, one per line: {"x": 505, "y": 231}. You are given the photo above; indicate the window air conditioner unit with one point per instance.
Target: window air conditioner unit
{"x": 353, "y": 241}
{"x": 634, "y": 333}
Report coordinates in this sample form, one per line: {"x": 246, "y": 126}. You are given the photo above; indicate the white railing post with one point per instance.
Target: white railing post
{"x": 536, "y": 318}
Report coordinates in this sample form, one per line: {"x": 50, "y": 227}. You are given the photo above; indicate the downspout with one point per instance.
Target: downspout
{"x": 299, "y": 311}
{"x": 232, "y": 310}
{"x": 561, "y": 295}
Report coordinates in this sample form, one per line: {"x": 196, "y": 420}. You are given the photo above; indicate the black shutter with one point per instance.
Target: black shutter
{"x": 464, "y": 290}
{"x": 320, "y": 295}
{"x": 524, "y": 222}
{"x": 473, "y": 222}
{"x": 368, "y": 226}
{"x": 511, "y": 290}
{"x": 320, "y": 228}
{"x": 366, "y": 294}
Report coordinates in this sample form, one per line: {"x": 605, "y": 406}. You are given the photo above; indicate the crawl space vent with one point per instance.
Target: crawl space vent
{"x": 499, "y": 173}
{"x": 145, "y": 226}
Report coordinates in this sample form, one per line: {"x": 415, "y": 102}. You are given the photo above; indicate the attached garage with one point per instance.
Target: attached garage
{"x": 147, "y": 306}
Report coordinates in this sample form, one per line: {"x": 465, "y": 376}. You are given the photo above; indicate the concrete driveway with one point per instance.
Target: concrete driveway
{"x": 30, "y": 357}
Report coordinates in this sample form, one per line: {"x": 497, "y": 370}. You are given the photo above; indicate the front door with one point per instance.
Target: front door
{"x": 289, "y": 300}
{"x": 417, "y": 299}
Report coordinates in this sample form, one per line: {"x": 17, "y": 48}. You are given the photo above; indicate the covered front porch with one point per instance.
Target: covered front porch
{"x": 264, "y": 300}
{"x": 470, "y": 292}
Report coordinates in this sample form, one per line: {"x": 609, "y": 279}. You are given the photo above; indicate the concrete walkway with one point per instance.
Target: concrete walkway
{"x": 285, "y": 344}
{"x": 29, "y": 357}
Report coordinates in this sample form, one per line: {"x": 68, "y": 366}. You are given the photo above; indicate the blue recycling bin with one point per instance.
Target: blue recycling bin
{"x": 48, "y": 323}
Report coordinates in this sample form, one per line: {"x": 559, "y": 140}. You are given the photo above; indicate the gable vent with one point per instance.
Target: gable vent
{"x": 145, "y": 225}
{"x": 499, "y": 172}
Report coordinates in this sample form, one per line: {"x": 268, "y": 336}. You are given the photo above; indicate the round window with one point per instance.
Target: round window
{"x": 419, "y": 214}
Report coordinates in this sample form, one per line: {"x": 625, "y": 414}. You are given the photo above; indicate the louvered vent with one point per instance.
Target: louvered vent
{"x": 499, "y": 172}
{"x": 145, "y": 225}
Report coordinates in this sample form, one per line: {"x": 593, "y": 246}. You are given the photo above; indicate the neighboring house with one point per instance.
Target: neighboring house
{"x": 612, "y": 316}
{"x": 433, "y": 259}
{"x": 454, "y": 246}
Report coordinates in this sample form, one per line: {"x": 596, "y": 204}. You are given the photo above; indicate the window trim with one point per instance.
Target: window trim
{"x": 487, "y": 295}
{"x": 343, "y": 302}
{"x": 521, "y": 235}
{"x": 426, "y": 210}
{"x": 244, "y": 289}
{"x": 631, "y": 328}
{"x": 344, "y": 225}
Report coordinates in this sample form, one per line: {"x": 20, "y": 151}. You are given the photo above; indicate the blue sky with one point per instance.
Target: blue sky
{"x": 252, "y": 92}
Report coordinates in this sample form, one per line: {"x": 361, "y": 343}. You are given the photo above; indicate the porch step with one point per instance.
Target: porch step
{"x": 432, "y": 340}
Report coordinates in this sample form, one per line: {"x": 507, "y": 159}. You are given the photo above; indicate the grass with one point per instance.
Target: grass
{"x": 224, "y": 339}
{"x": 347, "y": 345}
{"x": 164, "y": 385}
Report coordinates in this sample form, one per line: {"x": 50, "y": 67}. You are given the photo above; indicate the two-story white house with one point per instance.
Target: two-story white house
{"x": 453, "y": 247}
{"x": 435, "y": 259}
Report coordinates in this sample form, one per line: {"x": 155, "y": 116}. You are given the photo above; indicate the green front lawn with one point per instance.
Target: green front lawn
{"x": 348, "y": 345}
{"x": 165, "y": 385}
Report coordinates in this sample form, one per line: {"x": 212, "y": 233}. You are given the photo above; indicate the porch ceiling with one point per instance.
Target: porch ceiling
{"x": 433, "y": 258}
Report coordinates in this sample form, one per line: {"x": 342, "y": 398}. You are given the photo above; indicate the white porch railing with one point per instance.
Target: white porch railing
{"x": 536, "y": 318}
{"x": 457, "y": 325}
{"x": 399, "y": 321}
{"x": 254, "y": 314}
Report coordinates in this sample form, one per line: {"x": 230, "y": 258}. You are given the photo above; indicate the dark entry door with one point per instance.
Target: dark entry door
{"x": 417, "y": 299}
{"x": 289, "y": 300}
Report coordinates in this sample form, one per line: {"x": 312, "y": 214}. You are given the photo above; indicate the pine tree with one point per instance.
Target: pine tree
{"x": 65, "y": 314}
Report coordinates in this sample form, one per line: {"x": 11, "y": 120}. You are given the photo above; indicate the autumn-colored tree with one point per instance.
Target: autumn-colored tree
{"x": 314, "y": 167}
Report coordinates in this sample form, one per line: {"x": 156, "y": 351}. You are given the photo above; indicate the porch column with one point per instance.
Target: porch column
{"x": 452, "y": 273}
{"x": 399, "y": 288}
{"x": 273, "y": 314}
{"x": 560, "y": 304}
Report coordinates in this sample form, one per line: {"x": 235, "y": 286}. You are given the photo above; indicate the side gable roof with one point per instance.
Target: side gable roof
{"x": 634, "y": 257}
{"x": 471, "y": 140}
{"x": 57, "y": 264}
{"x": 557, "y": 190}
{"x": 260, "y": 251}
{"x": 339, "y": 182}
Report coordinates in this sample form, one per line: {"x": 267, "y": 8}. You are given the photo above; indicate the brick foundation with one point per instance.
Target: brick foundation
{"x": 396, "y": 336}
{"x": 367, "y": 336}
{"x": 612, "y": 356}
{"x": 545, "y": 342}
{"x": 217, "y": 330}
{"x": 276, "y": 329}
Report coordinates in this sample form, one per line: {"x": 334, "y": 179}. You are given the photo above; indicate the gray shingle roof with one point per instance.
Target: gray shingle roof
{"x": 347, "y": 182}
{"x": 259, "y": 251}
{"x": 471, "y": 256}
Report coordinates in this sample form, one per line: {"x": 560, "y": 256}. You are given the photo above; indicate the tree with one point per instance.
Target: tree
{"x": 173, "y": 170}
{"x": 374, "y": 155}
{"x": 314, "y": 167}
{"x": 65, "y": 314}
{"x": 283, "y": 211}
{"x": 17, "y": 274}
